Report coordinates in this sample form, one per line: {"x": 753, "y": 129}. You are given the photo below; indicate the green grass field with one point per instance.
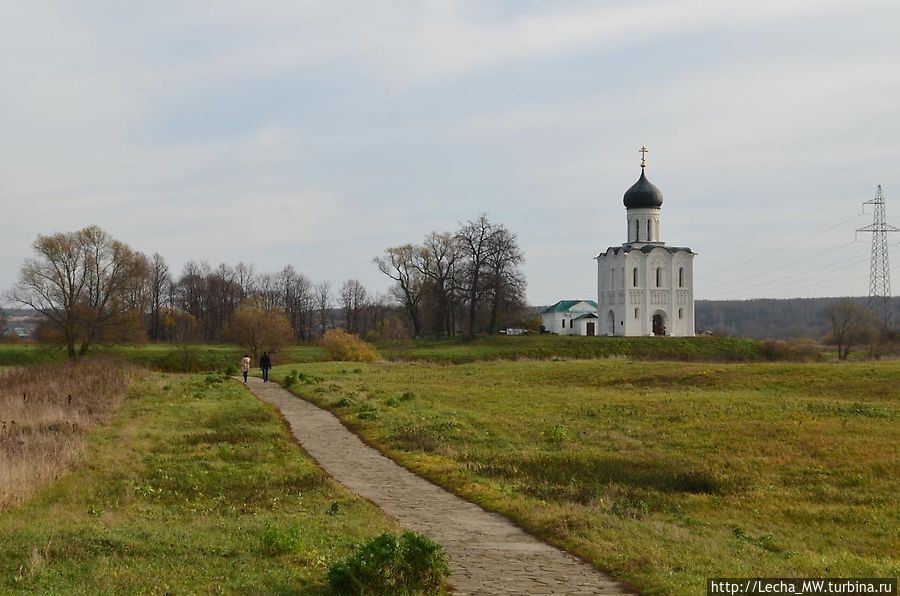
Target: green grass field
{"x": 207, "y": 357}
{"x": 661, "y": 473}
{"x": 160, "y": 357}
{"x": 544, "y": 347}
{"x": 193, "y": 487}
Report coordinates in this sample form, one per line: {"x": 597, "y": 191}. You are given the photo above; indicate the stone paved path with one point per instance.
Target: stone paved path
{"x": 486, "y": 552}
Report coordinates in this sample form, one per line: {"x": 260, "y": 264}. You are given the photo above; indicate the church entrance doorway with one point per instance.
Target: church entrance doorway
{"x": 611, "y": 322}
{"x": 590, "y": 329}
{"x": 659, "y": 324}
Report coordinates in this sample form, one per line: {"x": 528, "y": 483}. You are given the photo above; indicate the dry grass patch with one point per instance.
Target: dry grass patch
{"x": 44, "y": 415}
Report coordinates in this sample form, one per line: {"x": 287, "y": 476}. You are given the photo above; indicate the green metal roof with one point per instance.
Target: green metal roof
{"x": 587, "y": 315}
{"x": 566, "y": 305}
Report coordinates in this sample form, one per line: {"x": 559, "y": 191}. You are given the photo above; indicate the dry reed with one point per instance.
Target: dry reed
{"x": 44, "y": 414}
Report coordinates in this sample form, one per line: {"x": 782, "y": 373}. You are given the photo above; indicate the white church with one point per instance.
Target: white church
{"x": 643, "y": 286}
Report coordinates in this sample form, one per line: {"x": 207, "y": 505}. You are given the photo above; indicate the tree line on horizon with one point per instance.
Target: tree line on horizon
{"x": 92, "y": 288}
{"x": 775, "y": 318}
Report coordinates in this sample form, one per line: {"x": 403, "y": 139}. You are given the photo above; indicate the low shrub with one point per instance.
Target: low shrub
{"x": 279, "y": 541}
{"x": 555, "y": 434}
{"x": 791, "y": 350}
{"x": 412, "y": 564}
{"x": 343, "y": 346}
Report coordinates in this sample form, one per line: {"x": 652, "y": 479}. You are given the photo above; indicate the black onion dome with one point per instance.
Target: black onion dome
{"x": 643, "y": 195}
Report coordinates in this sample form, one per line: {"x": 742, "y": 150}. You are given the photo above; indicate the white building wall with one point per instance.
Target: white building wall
{"x": 553, "y": 322}
{"x": 611, "y": 292}
{"x": 635, "y": 304}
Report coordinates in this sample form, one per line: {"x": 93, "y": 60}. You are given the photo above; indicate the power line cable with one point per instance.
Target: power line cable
{"x": 799, "y": 281}
{"x": 847, "y": 272}
{"x": 784, "y": 265}
{"x": 782, "y": 248}
{"x": 805, "y": 274}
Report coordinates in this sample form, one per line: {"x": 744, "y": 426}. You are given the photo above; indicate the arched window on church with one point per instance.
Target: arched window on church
{"x": 637, "y": 231}
{"x": 612, "y": 278}
{"x": 681, "y": 277}
{"x": 635, "y": 280}
{"x": 658, "y": 276}
{"x": 649, "y": 236}
{"x": 680, "y": 313}
{"x": 637, "y": 311}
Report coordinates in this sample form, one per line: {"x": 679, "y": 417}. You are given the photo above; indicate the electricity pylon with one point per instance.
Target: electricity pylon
{"x": 880, "y": 271}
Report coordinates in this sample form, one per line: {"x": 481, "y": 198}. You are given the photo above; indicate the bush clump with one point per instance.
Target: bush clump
{"x": 556, "y": 434}
{"x": 279, "y": 541}
{"x": 411, "y": 564}
{"x": 791, "y": 351}
{"x": 343, "y": 346}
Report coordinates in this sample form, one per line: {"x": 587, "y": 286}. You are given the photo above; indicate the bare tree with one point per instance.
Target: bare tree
{"x": 267, "y": 290}
{"x": 851, "y": 323}
{"x": 399, "y": 264}
{"x": 323, "y": 304}
{"x": 378, "y": 310}
{"x": 505, "y": 280}
{"x": 160, "y": 282}
{"x": 438, "y": 259}
{"x": 81, "y": 282}
{"x": 476, "y": 240}
{"x": 190, "y": 290}
{"x": 353, "y": 299}
{"x": 295, "y": 297}
{"x": 245, "y": 279}
{"x": 223, "y": 294}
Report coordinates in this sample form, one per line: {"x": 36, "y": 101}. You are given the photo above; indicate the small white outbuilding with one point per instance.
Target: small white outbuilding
{"x": 571, "y": 317}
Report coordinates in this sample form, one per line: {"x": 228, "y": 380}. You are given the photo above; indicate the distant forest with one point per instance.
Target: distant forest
{"x": 770, "y": 318}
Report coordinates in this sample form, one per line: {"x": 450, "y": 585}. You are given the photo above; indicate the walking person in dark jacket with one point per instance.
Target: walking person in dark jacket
{"x": 265, "y": 363}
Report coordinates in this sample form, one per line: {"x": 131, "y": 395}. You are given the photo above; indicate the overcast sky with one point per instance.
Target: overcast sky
{"x": 316, "y": 134}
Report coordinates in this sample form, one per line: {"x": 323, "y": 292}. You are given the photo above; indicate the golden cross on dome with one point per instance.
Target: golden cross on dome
{"x": 643, "y": 151}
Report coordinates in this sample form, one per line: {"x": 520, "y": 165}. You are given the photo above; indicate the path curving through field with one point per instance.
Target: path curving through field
{"x": 487, "y": 553}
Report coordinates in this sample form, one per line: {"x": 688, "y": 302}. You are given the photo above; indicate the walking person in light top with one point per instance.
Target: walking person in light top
{"x": 245, "y": 366}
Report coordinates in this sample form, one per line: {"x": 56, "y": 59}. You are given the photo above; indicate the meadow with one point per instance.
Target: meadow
{"x": 661, "y": 473}
{"x": 163, "y": 357}
{"x": 545, "y": 347}
{"x": 662, "y": 462}
{"x": 192, "y": 486}
{"x": 168, "y": 357}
